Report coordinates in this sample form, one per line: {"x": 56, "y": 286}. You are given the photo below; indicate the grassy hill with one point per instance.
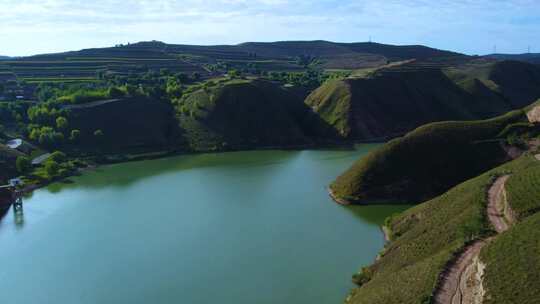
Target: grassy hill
{"x": 236, "y": 114}
{"x": 85, "y": 65}
{"x": 393, "y": 100}
{"x": 126, "y": 124}
{"x": 426, "y": 237}
{"x": 427, "y": 161}
{"x": 513, "y": 264}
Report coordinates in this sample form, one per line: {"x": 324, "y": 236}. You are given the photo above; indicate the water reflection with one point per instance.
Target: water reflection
{"x": 18, "y": 216}
{"x": 126, "y": 174}
{"x": 372, "y": 213}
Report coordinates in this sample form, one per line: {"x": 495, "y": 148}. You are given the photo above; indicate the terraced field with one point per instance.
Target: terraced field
{"x": 84, "y": 65}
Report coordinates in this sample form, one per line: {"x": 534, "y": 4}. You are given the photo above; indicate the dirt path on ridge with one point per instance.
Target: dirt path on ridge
{"x": 497, "y": 205}
{"x": 461, "y": 283}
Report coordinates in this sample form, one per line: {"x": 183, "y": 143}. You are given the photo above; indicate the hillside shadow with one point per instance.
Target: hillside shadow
{"x": 376, "y": 214}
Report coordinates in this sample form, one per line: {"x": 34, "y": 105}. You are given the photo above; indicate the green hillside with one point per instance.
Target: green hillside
{"x": 240, "y": 114}
{"x": 426, "y": 162}
{"x": 523, "y": 192}
{"x": 125, "y": 124}
{"x": 512, "y": 260}
{"x": 392, "y": 100}
{"x": 426, "y": 237}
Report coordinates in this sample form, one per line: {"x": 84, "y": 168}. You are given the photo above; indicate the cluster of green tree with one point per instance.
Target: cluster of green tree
{"x": 309, "y": 79}
{"x": 57, "y": 165}
{"x": 306, "y": 60}
{"x": 48, "y": 125}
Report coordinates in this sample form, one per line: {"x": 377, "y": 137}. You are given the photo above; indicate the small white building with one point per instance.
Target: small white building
{"x": 14, "y": 143}
{"x": 14, "y": 182}
{"x": 19, "y": 145}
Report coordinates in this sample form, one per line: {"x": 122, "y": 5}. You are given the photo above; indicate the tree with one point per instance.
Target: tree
{"x": 58, "y": 156}
{"x": 182, "y": 77}
{"x": 115, "y": 92}
{"x": 131, "y": 90}
{"x": 51, "y": 167}
{"x": 75, "y": 135}
{"x": 61, "y": 123}
{"x": 23, "y": 164}
{"x": 196, "y": 76}
{"x": 47, "y": 136}
{"x": 234, "y": 73}
{"x": 173, "y": 89}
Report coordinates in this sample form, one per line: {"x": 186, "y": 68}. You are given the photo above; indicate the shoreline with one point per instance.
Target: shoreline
{"x": 336, "y": 199}
{"x": 152, "y": 155}
{"x": 386, "y": 232}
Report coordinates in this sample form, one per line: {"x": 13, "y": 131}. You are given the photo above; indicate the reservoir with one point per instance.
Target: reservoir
{"x": 238, "y": 228}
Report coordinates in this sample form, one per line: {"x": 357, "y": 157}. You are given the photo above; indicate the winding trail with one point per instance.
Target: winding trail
{"x": 462, "y": 282}
{"x": 497, "y": 209}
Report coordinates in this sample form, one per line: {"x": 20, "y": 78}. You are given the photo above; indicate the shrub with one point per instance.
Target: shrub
{"x": 23, "y": 164}
{"x": 52, "y": 168}
{"x": 58, "y": 156}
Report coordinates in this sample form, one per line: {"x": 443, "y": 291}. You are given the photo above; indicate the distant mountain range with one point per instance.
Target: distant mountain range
{"x": 528, "y": 57}
{"x": 208, "y": 61}
{"x": 4, "y": 57}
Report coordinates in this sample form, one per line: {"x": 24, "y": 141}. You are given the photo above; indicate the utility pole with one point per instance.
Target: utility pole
{"x": 495, "y": 49}
{"x": 529, "y": 49}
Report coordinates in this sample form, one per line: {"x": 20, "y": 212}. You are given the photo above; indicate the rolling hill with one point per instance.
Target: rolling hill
{"x": 245, "y": 114}
{"x": 126, "y": 124}
{"x": 427, "y": 238}
{"x": 455, "y": 167}
{"x": 84, "y": 65}
{"x": 391, "y": 100}
{"x": 428, "y": 161}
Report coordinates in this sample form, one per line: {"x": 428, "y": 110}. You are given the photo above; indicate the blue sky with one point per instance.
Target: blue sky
{"x": 473, "y": 27}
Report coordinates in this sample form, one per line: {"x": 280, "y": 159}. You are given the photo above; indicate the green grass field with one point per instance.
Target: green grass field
{"x": 426, "y": 237}
{"x": 523, "y": 191}
{"x": 512, "y": 274}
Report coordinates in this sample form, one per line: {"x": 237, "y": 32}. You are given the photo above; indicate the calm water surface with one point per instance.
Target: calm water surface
{"x": 243, "y": 227}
